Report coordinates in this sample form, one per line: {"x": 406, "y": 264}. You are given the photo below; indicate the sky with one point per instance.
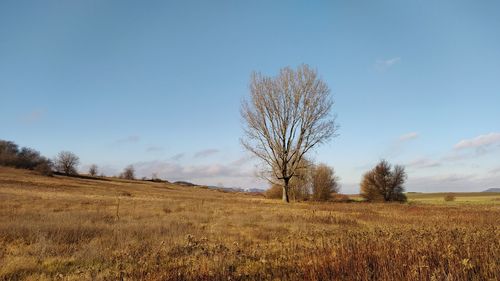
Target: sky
{"x": 158, "y": 84}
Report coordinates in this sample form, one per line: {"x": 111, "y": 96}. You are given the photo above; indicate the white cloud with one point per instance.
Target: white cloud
{"x": 408, "y": 136}
{"x": 210, "y": 174}
{"x": 495, "y": 171}
{"x": 387, "y": 63}
{"x": 452, "y": 183}
{"x": 479, "y": 142}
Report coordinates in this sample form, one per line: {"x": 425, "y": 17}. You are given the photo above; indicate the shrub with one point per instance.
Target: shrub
{"x": 383, "y": 183}
{"x": 128, "y": 173}
{"x": 45, "y": 168}
{"x": 93, "y": 170}
{"x": 342, "y": 198}
{"x": 449, "y": 197}
{"x": 324, "y": 183}
{"x": 274, "y": 192}
{"x": 300, "y": 185}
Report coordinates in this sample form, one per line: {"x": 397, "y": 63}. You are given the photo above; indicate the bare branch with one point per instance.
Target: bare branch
{"x": 286, "y": 117}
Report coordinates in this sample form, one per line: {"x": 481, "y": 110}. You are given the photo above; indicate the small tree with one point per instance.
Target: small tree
{"x": 324, "y": 183}
{"x": 449, "y": 197}
{"x": 93, "y": 170}
{"x": 128, "y": 173}
{"x": 383, "y": 183}
{"x": 66, "y": 162}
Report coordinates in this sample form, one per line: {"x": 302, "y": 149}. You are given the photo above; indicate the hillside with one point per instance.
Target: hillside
{"x": 492, "y": 190}
{"x": 109, "y": 229}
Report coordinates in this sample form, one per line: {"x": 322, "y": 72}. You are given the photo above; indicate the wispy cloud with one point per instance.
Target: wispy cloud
{"x": 153, "y": 148}
{"x": 178, "y": 156}
{"x": 472, "y": 148}
{"x": 408, "y": 136}
{"x": 241, "y": 161}
{"x": 495, "y": 171}
{"x": 397, "y": 146}
{"x": 479, "y": 142}
{"x": 384, "y": 64}
{"x": 129, "y": 139}
{"x": 32, "y": 116}
{"x": 423, "y": 163}
{"x": 206, "y": 153}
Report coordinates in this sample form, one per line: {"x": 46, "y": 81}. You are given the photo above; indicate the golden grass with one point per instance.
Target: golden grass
{"x": 82, "y": 229}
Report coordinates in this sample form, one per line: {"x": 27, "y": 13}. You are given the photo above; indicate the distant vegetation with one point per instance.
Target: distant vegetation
{"x": 24, "y": 158}
{"x": 449, "y": 197}
{"x": 128, "y": 173}
{"x": 311, "y": 182}
{"x": 67, "y": 162}
{"x": 383, "y": 183}
{"x": 93, "y": 170}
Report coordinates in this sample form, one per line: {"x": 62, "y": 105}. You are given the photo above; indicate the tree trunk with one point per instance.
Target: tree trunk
{"x": 285, "y": 191}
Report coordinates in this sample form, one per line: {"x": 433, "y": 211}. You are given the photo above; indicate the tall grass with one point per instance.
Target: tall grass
{"x": 73, "y": 229}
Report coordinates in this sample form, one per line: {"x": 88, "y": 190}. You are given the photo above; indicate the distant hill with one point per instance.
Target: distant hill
{"x": 236, "y": 189}
{"x": 492, "y": 190}
{"x": 226, "y": 189}
{"x": 254, "y": 190}
{"x": 185, "y": 183}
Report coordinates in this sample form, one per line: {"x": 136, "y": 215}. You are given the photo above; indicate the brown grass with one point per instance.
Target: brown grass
{"x": 84, "y": 229}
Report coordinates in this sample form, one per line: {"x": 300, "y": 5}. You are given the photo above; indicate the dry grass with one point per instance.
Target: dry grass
{"x": 83, "y": 229}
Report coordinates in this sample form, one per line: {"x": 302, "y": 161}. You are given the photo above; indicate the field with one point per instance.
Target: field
{"x": 460, "y": 198}
{"x": 107, "y": 229}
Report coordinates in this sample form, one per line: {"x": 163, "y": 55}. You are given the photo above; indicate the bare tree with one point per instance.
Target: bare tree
{"x": 324, "y": 182}
{"x": 128, "y": 173}
{"x": 66, "y": 162}
{"x": 383, "y": 183}
{"x": 8, "y": 153}
{"x": 93, "y": 170}
{"x": 299, "y": 187}
{"x": 285, "y": 118}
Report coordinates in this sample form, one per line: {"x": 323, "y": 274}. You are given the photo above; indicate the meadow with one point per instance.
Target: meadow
{"x": 62, "y": 228}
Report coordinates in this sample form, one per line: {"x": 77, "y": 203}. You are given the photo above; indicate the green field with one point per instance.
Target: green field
{"x": 460, "y": 198}
{"x": 487, "y": 198}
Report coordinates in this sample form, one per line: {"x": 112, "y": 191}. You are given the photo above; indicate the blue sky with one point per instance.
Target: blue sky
{"x": 158, "y": 84}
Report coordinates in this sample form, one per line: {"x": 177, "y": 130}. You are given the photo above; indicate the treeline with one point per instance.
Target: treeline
{"x": 66, "y": 162}
{"x": 24, "y": 158}
{"x": 311, "y": 182}
{"x": 383, "y": 183}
